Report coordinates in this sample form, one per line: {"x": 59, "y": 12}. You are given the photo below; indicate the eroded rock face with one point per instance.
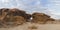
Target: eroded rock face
{"x": 3, "y": 10}
{"x": 16, "y": 20}
{"x": 13, "y": 15}
{"x": 17, "y": 16}
{"x": 40, "y": 18}
{"x": 17, "y": 12}
{"x": 3, "y": 14}
{"x": 19, "y": 20}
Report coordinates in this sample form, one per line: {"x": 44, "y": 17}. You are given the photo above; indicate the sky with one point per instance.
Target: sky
{"x": 54, "y": 8}
{"x": 50, "y": 7}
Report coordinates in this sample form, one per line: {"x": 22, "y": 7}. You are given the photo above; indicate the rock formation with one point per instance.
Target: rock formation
{"x": 40, "y": 18}
{"x": 17, "y": 12}
{"x": 3, "y": 14}
{"x": 14, "y": 15}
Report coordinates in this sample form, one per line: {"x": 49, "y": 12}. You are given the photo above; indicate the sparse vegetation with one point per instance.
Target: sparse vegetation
{"x": 32, "y": 27}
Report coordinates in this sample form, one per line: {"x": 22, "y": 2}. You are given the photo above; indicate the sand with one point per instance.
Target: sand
{"x": 39, "y": 27}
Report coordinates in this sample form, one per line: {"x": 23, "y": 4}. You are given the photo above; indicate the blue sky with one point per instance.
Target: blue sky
{"x": 54, "y": 8}
{"x": 50, "y": 7}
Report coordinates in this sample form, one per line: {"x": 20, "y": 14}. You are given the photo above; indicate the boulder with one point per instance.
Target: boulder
{"x": 11, "y": 13}
{"x": 40, "y": 18}
{"x": 17, "y": 12}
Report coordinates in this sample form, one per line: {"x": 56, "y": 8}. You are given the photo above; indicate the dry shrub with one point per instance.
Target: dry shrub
{"x": 32, "y": 27}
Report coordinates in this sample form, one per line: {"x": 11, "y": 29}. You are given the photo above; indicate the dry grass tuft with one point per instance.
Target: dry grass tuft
{"x": 33, "y": 27}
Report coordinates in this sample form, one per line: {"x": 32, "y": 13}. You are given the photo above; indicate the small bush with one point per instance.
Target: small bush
{"x": 32, "y": 27}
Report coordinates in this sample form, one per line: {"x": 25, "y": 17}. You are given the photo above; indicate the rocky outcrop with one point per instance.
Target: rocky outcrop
{"x": 17, "y": 12}
{"x": 40, "y": 18}
{"x": 17, "y": 17}
{"x": 19, "y": 20}
{"x": 13, "y": 15}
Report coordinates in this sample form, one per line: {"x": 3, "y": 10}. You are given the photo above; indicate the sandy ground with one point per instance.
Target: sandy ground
{"x": 39, "y": 27}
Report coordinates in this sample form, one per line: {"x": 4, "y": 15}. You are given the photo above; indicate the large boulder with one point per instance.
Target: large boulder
{"x": 40, "y": 18}
{"x": 13, "y": 15}
{"x": 17, "y": 12}
{"x": 7, "y": 16}
{"x": 10, "y": 15}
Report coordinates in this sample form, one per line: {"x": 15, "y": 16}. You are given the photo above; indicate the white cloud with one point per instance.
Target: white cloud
{"x": 5, "y": 1}
{"x": 28, "y": 5}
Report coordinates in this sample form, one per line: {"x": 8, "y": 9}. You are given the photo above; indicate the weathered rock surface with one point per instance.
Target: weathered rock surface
{"x": 41, "y": 18}
{"x": 14, "y": 15}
